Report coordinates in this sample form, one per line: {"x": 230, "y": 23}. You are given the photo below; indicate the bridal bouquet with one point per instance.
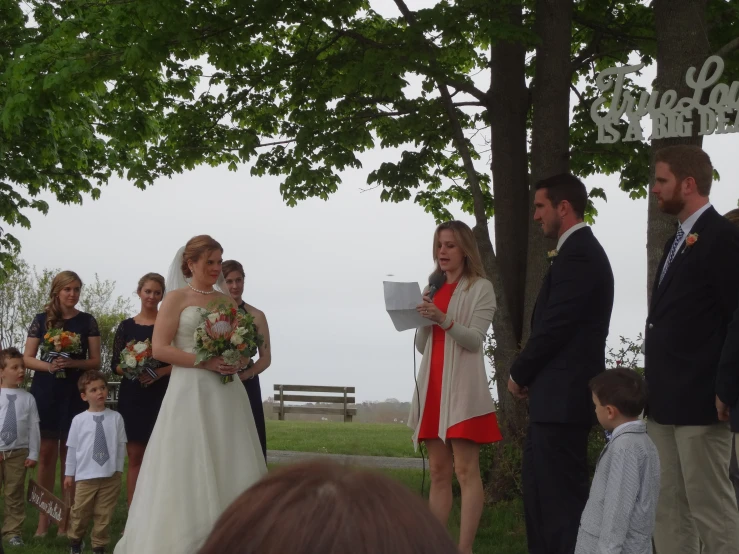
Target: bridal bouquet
{"x": 59, "y": 343}
{"x": 136, "y": 358}
{"x": 228, "y": 332}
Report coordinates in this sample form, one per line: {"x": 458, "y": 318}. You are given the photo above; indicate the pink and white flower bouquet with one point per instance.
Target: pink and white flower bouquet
{"x": 227, "y": 332}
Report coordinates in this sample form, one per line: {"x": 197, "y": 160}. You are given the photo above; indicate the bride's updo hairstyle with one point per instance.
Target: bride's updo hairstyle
{"x": 196, "y": 248}
{"x": 327, "y": 508}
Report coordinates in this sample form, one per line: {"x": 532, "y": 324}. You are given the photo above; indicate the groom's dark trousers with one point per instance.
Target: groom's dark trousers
{"x": 566, "y": 349}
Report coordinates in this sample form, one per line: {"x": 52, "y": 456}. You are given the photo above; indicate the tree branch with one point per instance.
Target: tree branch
{"x": 728, "y": 48}
{"x": 577, "y": 92}
{"x": 457, "y": 132}
{"x": 458, "y": 104}
{"x": 459, "y": 85}
{"x": 263, "y": 144}
{"x": 587, "y": 53}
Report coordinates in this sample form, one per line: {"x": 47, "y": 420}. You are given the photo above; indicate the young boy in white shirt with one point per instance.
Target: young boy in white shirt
{"x": 96, "y": 449}
{"x": 20, "y": 439}
{"x": 622, "y": 507}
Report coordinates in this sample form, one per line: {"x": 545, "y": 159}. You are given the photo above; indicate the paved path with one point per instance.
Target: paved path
{"x": 288, "y": 457}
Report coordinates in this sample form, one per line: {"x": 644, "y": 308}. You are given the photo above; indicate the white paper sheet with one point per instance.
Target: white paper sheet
{"x": 401, "y": 300}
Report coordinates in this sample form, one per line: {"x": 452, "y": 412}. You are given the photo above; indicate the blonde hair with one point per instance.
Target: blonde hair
{"x": 196, "y": 248}
{"x": 53, "y": 308}
{"x": 465, "y": 239}
{"x": 151, "y": 277}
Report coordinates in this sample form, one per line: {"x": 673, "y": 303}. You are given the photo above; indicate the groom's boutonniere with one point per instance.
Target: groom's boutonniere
{"x": 690, "y": 240}
{"x": 551, "y": 255}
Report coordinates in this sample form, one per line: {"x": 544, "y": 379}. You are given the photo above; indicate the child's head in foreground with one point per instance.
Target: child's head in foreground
{"x": 326, "y": 508}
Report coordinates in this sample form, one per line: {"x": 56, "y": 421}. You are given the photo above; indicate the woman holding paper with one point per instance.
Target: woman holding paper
{"x": 452, "y": 410}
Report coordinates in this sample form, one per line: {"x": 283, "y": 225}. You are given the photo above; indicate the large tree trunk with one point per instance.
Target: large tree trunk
{"x": 519, "y": 243}
{"x": 550, "y": 129}
{"x": 507, "y": 110}
{"x": 681, "y": 43}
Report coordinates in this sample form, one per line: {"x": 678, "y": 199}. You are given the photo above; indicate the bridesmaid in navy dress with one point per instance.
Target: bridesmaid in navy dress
{"x": 139, "y": 400}
{"x": 233, "y": 272}
{"x": 58, "y": 399}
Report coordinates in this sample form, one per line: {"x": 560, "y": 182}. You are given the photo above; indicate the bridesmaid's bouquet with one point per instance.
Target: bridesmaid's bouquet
{"x": 136, "y": 358}
{"x": 59, "y": 343}
{"x": 228, "y": 332}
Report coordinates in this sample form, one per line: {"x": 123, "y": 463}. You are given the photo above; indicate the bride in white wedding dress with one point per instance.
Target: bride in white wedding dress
{"x": 204, "y": 451}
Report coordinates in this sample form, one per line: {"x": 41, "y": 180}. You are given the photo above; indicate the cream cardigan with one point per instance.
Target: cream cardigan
{"x": 464, "y": 389}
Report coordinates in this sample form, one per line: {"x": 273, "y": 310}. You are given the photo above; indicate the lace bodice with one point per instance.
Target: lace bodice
{"x": 190, "y": 318}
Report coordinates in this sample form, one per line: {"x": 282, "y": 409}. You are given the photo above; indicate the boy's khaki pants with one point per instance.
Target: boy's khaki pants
{"x": 94, "y": 499}
{"x": 13, "y": 479}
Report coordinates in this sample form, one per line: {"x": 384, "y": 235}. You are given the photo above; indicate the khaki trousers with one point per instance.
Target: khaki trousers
{"x": 13, "y": 479}
{"x": 696, "y": 501}
{"x": 94, "y": 499}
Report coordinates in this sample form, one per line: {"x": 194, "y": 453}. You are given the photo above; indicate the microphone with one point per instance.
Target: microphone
{"x": 436, "y": 280}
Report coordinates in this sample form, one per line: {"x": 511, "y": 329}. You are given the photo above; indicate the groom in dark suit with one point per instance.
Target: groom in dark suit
{"x": 694, "y": 296}
{"x": 566, "y": 349}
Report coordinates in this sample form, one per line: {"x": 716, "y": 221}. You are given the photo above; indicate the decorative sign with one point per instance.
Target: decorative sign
{"x": 45, "y": 502}
{"x": 670, "y": 117}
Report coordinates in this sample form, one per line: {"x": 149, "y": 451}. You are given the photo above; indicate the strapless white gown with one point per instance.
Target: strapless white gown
{"x": 204, "y": 452}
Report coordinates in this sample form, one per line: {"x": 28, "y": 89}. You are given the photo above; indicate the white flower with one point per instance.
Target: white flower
{"x": 139, "y": 347}
{"x": 213, "y": 317}
{"x": 236, "y": 339}
{"x": 130, "y": 360}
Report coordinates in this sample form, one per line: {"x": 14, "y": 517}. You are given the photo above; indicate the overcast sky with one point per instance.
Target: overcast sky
{"x": 316, "y": 270}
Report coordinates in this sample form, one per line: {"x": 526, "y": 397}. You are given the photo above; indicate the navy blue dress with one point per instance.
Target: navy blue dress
{"x": 139, "y": 406}
{"x": 254, "y": 391}
{"x": 58, "y": 400}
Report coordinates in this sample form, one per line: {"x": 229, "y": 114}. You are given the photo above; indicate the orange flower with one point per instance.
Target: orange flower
{"x": 691, "y": 239}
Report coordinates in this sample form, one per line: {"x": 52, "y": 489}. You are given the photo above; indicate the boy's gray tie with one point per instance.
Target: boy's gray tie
{"x": 100, "y": 448}
{"x": 10, "y": 425}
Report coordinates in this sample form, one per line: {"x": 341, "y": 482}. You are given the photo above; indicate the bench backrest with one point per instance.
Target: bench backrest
{"x": 341, "y": 397}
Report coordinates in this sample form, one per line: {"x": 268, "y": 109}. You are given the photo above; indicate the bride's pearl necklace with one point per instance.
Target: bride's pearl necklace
{"x": 201, "y": 291}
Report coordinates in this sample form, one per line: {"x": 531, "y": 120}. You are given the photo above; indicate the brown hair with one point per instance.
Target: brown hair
{"x": 688, "y": 161}
{"x": 232, "y": 265}
{"x": 9, "y": 354}
{"x": 53, "y": 308}
{"x": 621, "y": 388}
{"x": 326, "y": 508}
{"x": 151, "y": 277}
{"x": 466, "y": 240}
{"x": 88, "y": 377}
{"x": 565, "y": 186}
{"x": 733, "y": 216}
{"x": 196, "y": 248}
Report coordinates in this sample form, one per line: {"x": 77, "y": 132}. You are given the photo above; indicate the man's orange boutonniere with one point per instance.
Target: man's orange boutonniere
{"x": 691, "y": 239}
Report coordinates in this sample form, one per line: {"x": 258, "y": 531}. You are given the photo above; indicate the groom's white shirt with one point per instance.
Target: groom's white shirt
{"x": 569, "y": 232}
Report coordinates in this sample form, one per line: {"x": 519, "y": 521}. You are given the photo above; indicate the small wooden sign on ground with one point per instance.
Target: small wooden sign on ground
{"x": 46, "y": 503}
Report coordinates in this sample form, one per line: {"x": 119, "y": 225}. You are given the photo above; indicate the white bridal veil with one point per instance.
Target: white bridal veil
{"x": 176, "y": 278}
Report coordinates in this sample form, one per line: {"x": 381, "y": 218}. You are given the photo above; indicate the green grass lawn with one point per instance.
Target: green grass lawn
{"x": 501, "y": 528}
{"x": 367, "y": 439}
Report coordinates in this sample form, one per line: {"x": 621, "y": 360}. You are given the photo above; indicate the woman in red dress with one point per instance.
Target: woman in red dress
{"x": 456, "y": 408}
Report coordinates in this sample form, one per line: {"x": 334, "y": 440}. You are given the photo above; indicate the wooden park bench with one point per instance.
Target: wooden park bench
{"x": 344, "y": 400}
